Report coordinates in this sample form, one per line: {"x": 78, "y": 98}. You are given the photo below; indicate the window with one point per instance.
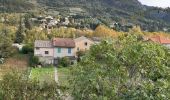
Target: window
{"x": 59, "y": 50}
{"x": 85, "y": 44}
{"x": 46, "y": 52}
{"x": 69, "y": 50}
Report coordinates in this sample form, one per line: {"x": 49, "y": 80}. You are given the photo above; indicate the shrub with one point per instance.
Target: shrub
{"x": 65, "y": 62}
{"x": 1, "y": 96}
{"x": 80, "y": 54}
{"x": 27, "y": 49}
{"x": 14, "y": 86}
{"x": 33, "y": 61}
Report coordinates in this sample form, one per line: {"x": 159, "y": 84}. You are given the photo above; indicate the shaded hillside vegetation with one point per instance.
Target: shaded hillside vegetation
{"x": 15, "y": 5}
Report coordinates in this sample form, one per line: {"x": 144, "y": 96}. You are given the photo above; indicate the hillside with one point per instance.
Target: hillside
{"x": 123, "y": 11}
{"x": 107, "y": 11}
{"x": 15, "y": 6}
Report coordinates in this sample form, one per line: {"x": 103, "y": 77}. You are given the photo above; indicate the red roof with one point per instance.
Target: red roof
{"x": 160, "y": 39}
{"x": 63, "y": 42}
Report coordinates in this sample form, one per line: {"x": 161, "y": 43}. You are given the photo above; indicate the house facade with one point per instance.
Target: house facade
{"x": 50, "y": 51}
{"x": 83, "y": 44}
{"x": 44, "y": 50}
{"x": 63, "y": 47}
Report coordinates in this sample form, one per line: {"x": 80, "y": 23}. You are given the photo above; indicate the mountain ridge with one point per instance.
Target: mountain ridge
{"x": 123, "y": 11}
{"x": 154, "y": 18}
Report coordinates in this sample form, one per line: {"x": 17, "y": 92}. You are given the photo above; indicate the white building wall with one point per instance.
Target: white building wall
{"x": 41, "y": 52}
{"x": 44, "y": 58}
{"x": 64, "y": 52}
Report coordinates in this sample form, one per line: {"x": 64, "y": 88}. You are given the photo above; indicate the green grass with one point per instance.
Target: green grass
{"x": 63, "y": 75}
{"x": 47, "y": 75}
{"x": 43, "y": 74}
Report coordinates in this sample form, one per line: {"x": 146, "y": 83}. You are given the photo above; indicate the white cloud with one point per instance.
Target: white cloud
{"x": 158, "y": 3}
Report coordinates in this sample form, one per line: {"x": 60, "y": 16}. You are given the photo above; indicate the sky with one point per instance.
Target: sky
{"x": 158, "y": 3}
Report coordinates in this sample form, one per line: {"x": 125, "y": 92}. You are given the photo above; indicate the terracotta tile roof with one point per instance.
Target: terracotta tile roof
{"x": 160, "y": 39}
{"x": 43, "y": 43}
{"x": 64, "y": 42}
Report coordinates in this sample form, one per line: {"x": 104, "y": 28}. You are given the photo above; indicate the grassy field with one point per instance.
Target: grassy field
{"x": 63, "y": 75}
{"x": 20, "y": 62}
{"x": 43, "y": 74}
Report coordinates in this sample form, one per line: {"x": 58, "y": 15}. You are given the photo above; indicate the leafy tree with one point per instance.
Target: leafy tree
{"x": 27, "y": 22}
{"x": 20, "y": 33}
{"x": 33, "y": 61}
{"x": 5, "y": 44}
{"x": 27, "y": 49}
{"x": 16, "y": 5}
{"x": 136, "y": 29}
{"x": 103, "y": 31}
{"x": 35, "y": 34}
{"x": 64, "y": 62}
{"x": 126, "y": 69}
{"x": 80, "y": 54}
{"x": 16, "y": 86}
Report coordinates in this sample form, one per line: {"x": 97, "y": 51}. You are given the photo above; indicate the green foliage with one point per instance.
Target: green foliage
{"x": 80, "y": 54}
{"x": 65, "y": 62}
{"x": 15, "y": 5}
{"x": 5, "y": 44}
{"x": 108, "y": 11}
{"x": 62, "y": 32}
{"x": 35, "y": 34}
{"x": 19, "y": 38}
{"x": 33, "y": 61}
{"x": 27, "y": 49}
{"x": 27, "y": 23}
{"x": 14, "y": 86}
{"x": 12, "y": 19}
{"x": 126, "y": 69}
{"x": 44, "y": 74}
{"x": 64, "y": 76}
